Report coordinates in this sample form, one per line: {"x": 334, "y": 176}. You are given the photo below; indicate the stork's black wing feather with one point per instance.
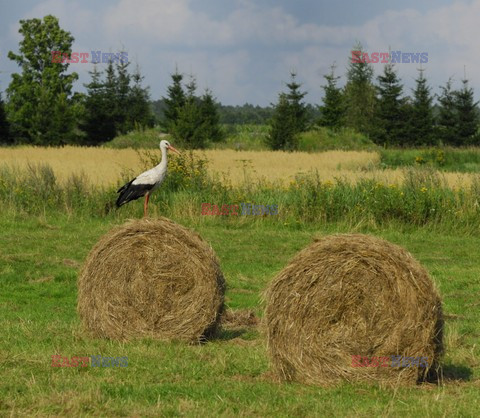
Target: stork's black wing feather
{"x": 131, "y": 191}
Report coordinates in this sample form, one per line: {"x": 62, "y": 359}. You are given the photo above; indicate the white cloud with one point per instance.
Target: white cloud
{"x": 247, "y": 53}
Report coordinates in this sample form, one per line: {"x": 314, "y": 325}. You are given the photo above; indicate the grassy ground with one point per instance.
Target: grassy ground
{"x": 39, "y": 261}
{"x": 105, "y": 166}
{"x": 253, "y": 138}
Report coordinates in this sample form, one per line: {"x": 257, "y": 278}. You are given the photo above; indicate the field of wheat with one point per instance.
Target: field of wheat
{"x": 104, "y": 166}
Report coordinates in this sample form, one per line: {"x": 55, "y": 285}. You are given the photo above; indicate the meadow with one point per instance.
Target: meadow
{"x": 51, "y": 215}
{"x": 107, "y": 166}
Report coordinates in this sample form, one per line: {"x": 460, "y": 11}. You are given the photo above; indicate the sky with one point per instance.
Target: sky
{"x": 244, "y": 50}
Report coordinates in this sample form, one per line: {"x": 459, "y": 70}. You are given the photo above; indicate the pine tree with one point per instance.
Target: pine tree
{"x": 99, "y": 121}
{"x": 210, "y": 116}
{"x": 191, "y": 88}
{"x": 467, "y": 116}
{"x": 139, "y": 108}
{"x": 121, "y": 96}
{"x": 422, "y": 118}
{"x": 5, "y": 137}
{"x": 332, "y": 111}
{"x": 389, "y": 116}
{"x": 174, "y": 101}
{"x": 359, "y": 96}
{"x": 190, "y": 129}
{"x": 448, "y": 115}
{"x": 298, "y": 108}
{"x": 283, "y": 135}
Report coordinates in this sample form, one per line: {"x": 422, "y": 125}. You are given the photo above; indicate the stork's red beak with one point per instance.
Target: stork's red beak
{"x": 173, "y": 149}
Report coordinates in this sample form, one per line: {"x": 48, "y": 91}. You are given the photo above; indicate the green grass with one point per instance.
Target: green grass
{"x": 422, "y": 199}
{"x": 465, "y": 160}
{"x": 323, "y": 139}
{"x": 244, "y": 138}
{"x": 47, "y": 230}
{"x": 238, "y": 137}
{"x": 252, "y": 138}
{"x": 143, "y": 138}
{"x": 39, "y": 261}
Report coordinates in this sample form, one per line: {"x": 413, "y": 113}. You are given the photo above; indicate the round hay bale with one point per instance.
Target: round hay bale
{"x": 151, "y": 278}
{"x": 352, "y": 295}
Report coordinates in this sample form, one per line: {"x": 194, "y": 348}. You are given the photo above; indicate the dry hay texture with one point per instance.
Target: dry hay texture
{"x": 151, "y": 278}
{"x": 352, "y": 294}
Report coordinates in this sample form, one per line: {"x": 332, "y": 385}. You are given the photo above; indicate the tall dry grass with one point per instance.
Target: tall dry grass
{"x": 100, "y": 166}
{"x": 105, "y": 166}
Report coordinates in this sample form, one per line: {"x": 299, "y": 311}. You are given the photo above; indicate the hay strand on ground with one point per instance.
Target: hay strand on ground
{"x": 352, "y": 295}
{"x": 151, "y": 278}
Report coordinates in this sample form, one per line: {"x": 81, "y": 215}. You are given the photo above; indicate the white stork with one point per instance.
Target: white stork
{"x": 147, "y": 182}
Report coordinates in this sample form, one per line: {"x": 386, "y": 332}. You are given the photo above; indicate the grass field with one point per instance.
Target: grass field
{"x": 47, "y": 229}
{"x": 40, "y": 258}
{"x": 105, "y": 166}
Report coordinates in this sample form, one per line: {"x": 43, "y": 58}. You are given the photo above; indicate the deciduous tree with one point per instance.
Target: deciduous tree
{"x": 39, "y": 107}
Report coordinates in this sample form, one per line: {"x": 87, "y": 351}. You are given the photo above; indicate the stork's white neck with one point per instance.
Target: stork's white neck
{"x": 163, "y": 163}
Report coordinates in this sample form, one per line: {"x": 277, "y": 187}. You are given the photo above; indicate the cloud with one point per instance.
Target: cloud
{"x": 245, "y": 52}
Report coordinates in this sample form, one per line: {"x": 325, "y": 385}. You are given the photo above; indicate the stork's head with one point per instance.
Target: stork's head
{"x": 164, "y": 144}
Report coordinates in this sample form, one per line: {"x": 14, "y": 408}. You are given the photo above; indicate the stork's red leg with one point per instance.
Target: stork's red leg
{"x": 145, "y": 205}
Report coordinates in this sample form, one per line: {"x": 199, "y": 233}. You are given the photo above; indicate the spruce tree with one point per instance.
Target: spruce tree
{"x": 422, "y": 117}
{"x": 174, "y": 101}
{"x": 210, "y": 116}
{"x": 121, "y": 97}
{"x": 467, "y": 116}
{"x": 98, "y": 122}
{"x": 283, "y": 135}
{"x": 448, "y": 115}
{"x": 190, "y": 129}
{"x": 359, "y": 96}
{"x": 298, "y": 108}
{"x": 139, "y": 108}
{"x": 390, "y": 117}
{"x": 332, "y": 111}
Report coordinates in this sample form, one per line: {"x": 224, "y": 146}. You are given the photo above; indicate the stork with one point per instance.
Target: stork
{"x": 147, "y": 182}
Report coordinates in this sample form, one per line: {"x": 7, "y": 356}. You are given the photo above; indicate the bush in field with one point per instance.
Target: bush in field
{"x": 186, "y": 171}
{"x": 139, "y": 138}
{"x": 323, "y": 139}
{"x": 245, "y": 137}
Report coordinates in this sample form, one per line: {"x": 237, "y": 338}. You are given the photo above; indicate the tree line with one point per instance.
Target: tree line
{"x": 380, "y": 110}
{"x": 40, "y": 107}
